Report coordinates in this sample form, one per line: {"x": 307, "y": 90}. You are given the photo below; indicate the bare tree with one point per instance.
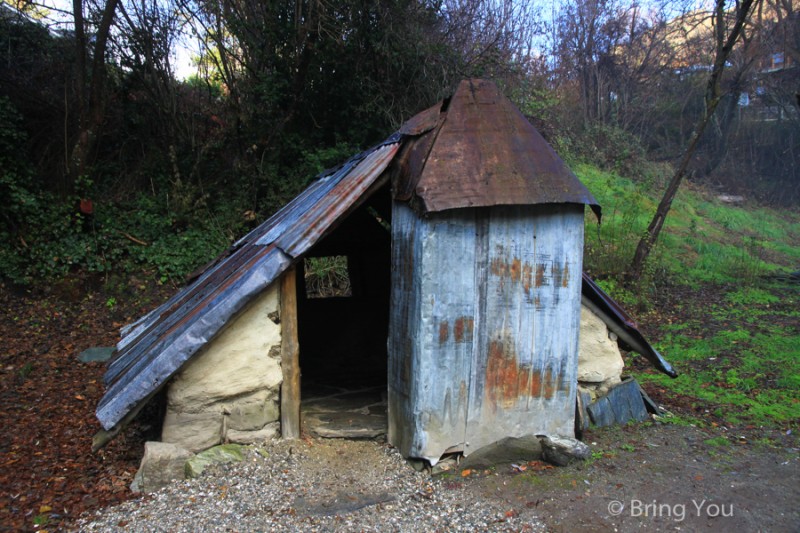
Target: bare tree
{"x": 90, "y": 85}
{"x": 724, "y": 39}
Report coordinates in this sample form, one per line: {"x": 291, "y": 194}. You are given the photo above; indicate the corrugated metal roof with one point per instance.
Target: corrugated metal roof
{"x": 156, "y": 346}
{"x": 483, "y": 152}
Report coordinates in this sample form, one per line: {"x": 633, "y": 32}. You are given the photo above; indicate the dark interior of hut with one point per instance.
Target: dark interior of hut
{"x": 343, "y": 319}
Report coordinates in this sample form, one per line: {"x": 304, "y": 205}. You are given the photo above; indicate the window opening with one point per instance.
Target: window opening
{"x": 327, "y": 277}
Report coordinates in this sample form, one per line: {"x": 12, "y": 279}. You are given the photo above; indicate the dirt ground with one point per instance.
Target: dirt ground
{"x": 662, "y": 477}
{"x": 644, "y": 477}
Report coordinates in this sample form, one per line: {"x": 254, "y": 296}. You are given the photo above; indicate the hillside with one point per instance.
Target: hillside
{"x": 717, "y": 299}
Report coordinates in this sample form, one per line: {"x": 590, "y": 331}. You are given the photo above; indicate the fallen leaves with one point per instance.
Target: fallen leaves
{"x": 48, "y": 475}
{"x": 533, "y": 466}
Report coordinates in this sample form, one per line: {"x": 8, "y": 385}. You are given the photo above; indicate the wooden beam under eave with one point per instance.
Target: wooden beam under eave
{"x": 290, "y": 357}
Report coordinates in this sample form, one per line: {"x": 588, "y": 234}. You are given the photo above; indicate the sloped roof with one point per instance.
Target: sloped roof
{"x": 156, "y": 346}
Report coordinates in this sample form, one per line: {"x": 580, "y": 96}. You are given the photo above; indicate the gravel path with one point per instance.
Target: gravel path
{"x": 314, "y": 485}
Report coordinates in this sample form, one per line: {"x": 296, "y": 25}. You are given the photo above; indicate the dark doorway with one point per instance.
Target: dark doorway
{"x": 343, "y": 322}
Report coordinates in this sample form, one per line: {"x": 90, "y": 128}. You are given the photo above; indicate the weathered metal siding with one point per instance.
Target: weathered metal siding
{"x": 526, "y": 352}
{"x": 484, "y": 331}
{"x": 404, "y": 326}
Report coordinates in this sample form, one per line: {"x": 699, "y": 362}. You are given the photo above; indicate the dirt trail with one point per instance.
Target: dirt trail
{"x": 657, "y": 477}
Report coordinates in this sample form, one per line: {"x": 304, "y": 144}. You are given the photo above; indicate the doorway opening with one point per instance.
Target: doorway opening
{"x": 343, "y": 293}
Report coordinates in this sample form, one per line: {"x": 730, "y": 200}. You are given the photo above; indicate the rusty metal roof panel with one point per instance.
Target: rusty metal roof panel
{"x": 486, "y": 153}
{"x": 622, "y": 324}
{"x": 156, "y": 346}
{"x": 312, "y": 221}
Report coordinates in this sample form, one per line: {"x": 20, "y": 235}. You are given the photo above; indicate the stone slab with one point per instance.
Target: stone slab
{"x": 97, "y": 354}
{"x": 622, "y": 403}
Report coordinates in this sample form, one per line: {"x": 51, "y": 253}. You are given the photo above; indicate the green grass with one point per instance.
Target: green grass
{"x": 703, "y": 241}
{"x": 739, "y": 353}
{"x": 735, "y": 374}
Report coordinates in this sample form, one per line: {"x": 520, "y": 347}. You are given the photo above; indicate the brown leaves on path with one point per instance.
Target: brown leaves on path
{"x": 48, "y": 475}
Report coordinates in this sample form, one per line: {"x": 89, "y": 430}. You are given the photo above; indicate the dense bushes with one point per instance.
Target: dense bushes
{"x": 143, "y": 235}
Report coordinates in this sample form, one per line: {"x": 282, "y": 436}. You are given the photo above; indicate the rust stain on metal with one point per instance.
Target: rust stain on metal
{"x": 463, "y": 329}
{"x": 565, "y": 276}
{"x": 498, "y": 267}
{"x": 507, "y": 380}
{"x": 444, "y": 331}
{"x": 550, "y": 384}
{"x": 527, "y": 272}
{"x": 541, "y": 268}
{"x": 516, "y": 269}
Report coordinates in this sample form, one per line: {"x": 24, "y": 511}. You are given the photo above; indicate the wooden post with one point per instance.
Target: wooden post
{"x": 290, "y": 357}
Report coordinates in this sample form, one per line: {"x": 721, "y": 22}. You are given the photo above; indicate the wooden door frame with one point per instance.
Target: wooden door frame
{"x": 290, "y": 357}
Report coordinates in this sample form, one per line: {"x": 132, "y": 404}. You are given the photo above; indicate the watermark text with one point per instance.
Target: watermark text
{"x": 678, "y": 512}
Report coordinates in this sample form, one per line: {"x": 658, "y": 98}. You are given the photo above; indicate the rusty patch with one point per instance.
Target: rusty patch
{"x": 516, "y": 269}
{"x": 565, "y": 276}
{"x": 550, "y": 384}
{"x": 527, "y": 272}
{"x": 499, "y": 267}
{"x": 507, "y": 380}
{"x": 463, "y": 328}
{"x": 540, "y": 280}
{"x": 444, "y": 331}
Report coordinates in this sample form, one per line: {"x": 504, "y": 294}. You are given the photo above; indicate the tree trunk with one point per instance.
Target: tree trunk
{"x": 724, "y": 46}
{"x": 91, "y": 91}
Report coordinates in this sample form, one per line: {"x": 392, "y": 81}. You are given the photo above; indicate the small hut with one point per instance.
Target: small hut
{"x": 462, "y": 236}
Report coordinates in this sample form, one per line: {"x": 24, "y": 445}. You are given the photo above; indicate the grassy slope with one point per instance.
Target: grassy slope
{"x": 733, "y": 334}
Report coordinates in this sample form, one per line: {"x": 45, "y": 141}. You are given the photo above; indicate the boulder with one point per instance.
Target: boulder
{"x": 562, "y": 451}
{"x": 218, "y": 455}
{"x": 233, "y": 385}
{"x": 268, "y": 432}
{"x": 507, "y": 450}
{"x": 193, "y": 431}
{"x": 599, "y": 358}
{"x": 162, "y": 463}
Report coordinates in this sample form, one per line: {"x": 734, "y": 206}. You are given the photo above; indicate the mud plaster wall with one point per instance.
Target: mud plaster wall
{"x": 599, "y": 359}
{"x": 231, "y": 390}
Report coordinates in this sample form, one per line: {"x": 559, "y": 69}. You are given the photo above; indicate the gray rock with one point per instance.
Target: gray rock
{"x": 193, "y": 431}
{"x": 269, "y": 432}
{"x": 162, "y": 463}
{"x": 98, "y": 354}
{"x": 222, "y": 454}
{"x": 507, "y": 450}
{"x": 562, "y": 451}
{"x": 622, "y": 404}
